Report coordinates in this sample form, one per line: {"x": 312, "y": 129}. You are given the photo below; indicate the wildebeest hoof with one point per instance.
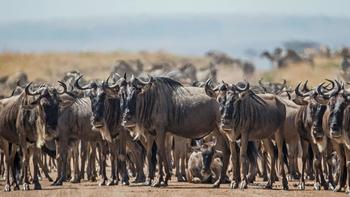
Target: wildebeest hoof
{"x": 243, "y": 185}
{"x": 156, "y": 183}
{"x": 7, "y": 188}
{"x": 268, "y": 185}
{"x": 317, "y": 186}
{"x": 285, "y": 184}
{"x": 16, "y": 187}
{"x": 148, "y": 182}
{"x": 265, "y": 178}
{"x": 112, "y": 182}
{"x": 93, "y": 179}
{"x": 234, "y": 185}
{"x": 125, "y": 183}
{"x": 102, "y": 183}
{"x": 337, "y": 189}
{"x": 181, "y": 179}
{"x": 216, "y": 184}
{"x": 347, "y": 191}
{"x": 37, "y": 186}
{"x": 301, "y": 186}
{"x": 25, "y": 186}
{"x": 331, "y": 186}
{"x": 49, "y": 179}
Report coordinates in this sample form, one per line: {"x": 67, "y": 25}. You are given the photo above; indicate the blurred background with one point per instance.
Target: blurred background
{"x": 57, "y": 36}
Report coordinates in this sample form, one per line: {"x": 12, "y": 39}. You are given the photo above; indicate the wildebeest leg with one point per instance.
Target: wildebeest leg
{"x": 328, "y": 157}
{"x": 183, "y": 166}
{"x": 83, "y": 157}
{"x": 6, "y": 149}
{"x": 265, "y": 166}
{"x": 36, "y": 158}
{"x": 92, "y": 174}
{"x": 244, "y": 160}
{"x": 75, "y": 156}
{"x": 292, "y": 157}
{"x": 347, "y": 157}
{"x": 25, "y": 161}
{"x": 271, "y": 151}
{"x": 151, "y": 158}
{"x": 41, "y": 164}
{"x": 122, "y": 158}
{"x": 304, "y": 147}
{"x": 103, "y": 154}
{"x": 114, "y": 163}
{"x": 136, "y": 156}
{"x": 160, "y": 141}
{"x": 225, "y": 162}
{"x": 176, "y": 156}
{"x": 340, "y": 182}
{"x": 61, "y": 147}
{"x": 235, "y": 179}
{"x": 279, "y": 142}
{"x": 318, "y": 169}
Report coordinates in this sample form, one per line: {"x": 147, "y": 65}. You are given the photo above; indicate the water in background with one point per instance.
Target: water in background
{"x": 241, "y": 36}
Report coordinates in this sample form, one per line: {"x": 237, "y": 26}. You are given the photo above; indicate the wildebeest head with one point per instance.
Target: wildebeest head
{"x": 227, "y": 104}
{"x": 47, "y": 100}
{"x": 339, "y": 100}
{"x": 137, "y": 86}
{"x": 315, "y": 108}
{"x": 99, "y": 94}
{"x": 209, "y": 153}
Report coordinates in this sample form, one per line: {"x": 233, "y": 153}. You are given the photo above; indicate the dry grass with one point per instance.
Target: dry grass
{"x": 51, "y": 66}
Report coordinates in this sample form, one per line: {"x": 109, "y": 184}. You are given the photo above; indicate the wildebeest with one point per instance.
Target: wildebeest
{"x": 161, "y": 105}
{"x": 247, "y": 116}
{"x": 336, "y": 124}
{"x": 205, "y": 164}
{"x": 309, "y": 124}
{"x": 30, "y": 118}
{"x": 106, "y": 118}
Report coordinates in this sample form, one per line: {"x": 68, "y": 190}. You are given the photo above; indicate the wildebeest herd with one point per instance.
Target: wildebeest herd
{"x": 211, "y": 132}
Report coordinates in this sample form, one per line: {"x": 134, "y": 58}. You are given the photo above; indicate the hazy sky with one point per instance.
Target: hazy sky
{"x": 14, "y": 10}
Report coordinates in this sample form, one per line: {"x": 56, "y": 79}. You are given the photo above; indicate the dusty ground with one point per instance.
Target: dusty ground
{"x": 88, "y": 189}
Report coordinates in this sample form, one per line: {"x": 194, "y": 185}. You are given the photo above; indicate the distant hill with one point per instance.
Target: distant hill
{"x": 238, "y": 35}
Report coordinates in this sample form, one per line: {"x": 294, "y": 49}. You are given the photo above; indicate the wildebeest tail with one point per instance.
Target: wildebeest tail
{"x": 252, "y": 152}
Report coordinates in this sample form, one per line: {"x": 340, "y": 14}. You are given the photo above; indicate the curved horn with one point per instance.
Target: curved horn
{"x": 28, "y": 91}
{"x": 319, "y": 89}
{"x": 299, "y": 93}
{"x": 246, "y": 87}
{"x": 114, "y": 85}
{"x": 336, "y": 89}
{"x": 76, "y": 84}
{"x": 64, "y": 86}
{"x": 332, "y": 83}
{"x": 305, "y": 88}
{"x": 145, "y": 82}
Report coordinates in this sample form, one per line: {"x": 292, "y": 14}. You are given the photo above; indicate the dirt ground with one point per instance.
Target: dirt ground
{"x": 91, "y": 189}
